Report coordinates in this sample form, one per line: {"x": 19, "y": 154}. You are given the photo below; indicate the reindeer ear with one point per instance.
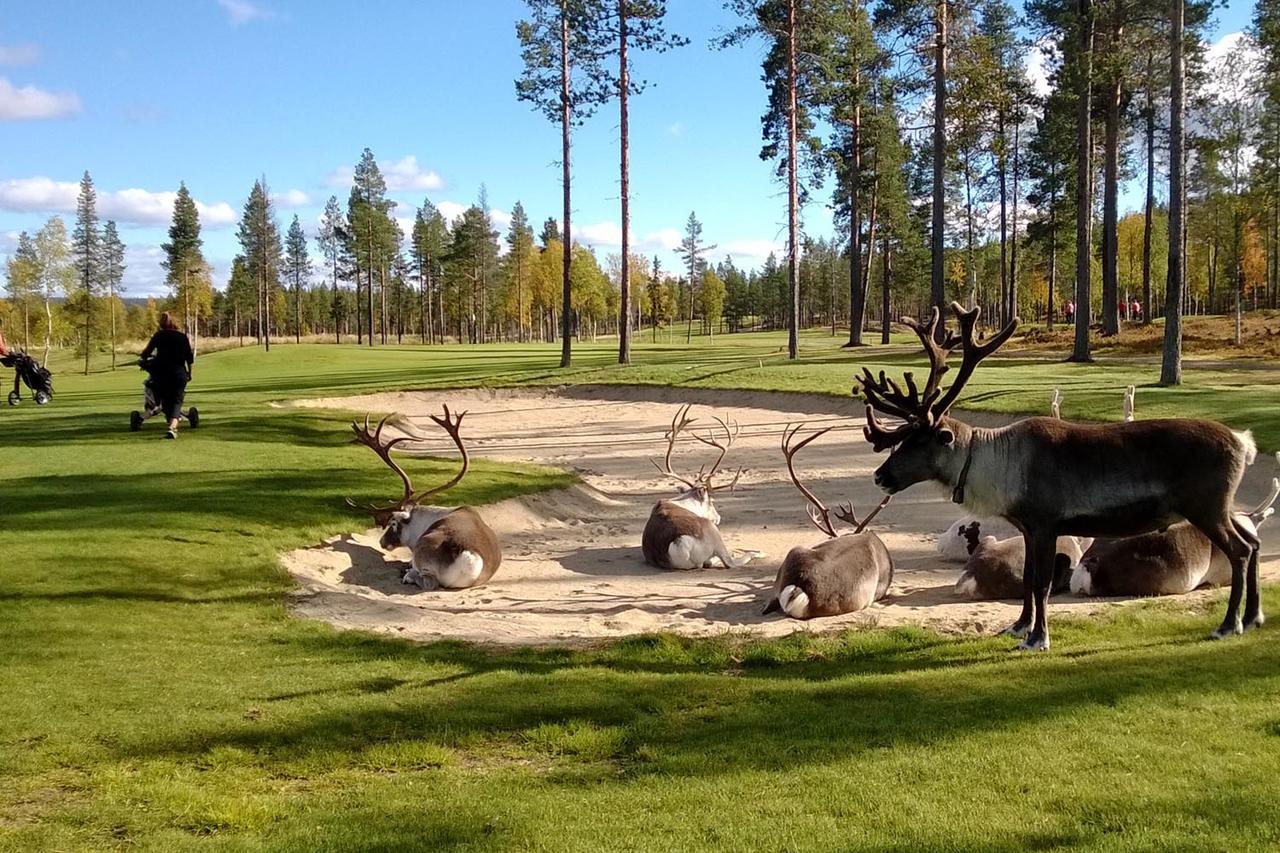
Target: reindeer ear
{"x": 945, "y": 437}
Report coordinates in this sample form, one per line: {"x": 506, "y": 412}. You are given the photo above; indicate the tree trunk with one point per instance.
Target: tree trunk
{"x": 1084, "y": 169}
{"x": 566, "y": 308}
{"x": 1001, "y": 159}
{"x": 1110, "y": 212}
{"x": 1149, "y": 210}
{"x": 1171, "y": 364}
{"x": 971, "y": 272}
{"x": 793, "y": 201}
{"x": 1013, "y": 235}
{"x": 624, "y": 308}
{"x": 886, "y": 278}
{"x": 1053, "y": 250}
{"x": 937, "y": 285}
{"x": 857, "y": 281}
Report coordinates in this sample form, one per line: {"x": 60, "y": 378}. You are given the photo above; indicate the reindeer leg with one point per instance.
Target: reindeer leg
{"x": 720, "y": 550}
{"x": 1253, "y": 617}
{"x": 1041, "y": 551}
{"x": 1023, "y": 625}
{"x": 1239, "y": 551}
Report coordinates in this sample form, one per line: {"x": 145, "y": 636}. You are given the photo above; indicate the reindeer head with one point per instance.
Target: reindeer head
{"x": 699, "y": 490}
{"x": 818, "y": 512}
{"x": 397, "y": 519}
{"x": 923, "y": 445}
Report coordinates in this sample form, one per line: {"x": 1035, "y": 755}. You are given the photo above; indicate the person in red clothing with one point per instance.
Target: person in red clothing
{"x": 3, "y": 349}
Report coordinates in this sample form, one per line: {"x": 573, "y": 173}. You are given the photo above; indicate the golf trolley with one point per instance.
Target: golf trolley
{"x": 26, "y": 370}
{"x": 151, "y": 406}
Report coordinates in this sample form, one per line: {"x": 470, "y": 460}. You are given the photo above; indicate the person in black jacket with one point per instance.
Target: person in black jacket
{"x": 169, "y": 359}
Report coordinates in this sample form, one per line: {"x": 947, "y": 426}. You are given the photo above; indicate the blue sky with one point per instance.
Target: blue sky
{"x": 219, "y": 92}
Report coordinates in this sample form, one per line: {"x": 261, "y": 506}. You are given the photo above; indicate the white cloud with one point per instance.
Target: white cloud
{"x": 19, "y": 54}
{"x": 290, "y": 199}
{"x": 666, "y": 240}
{"x": 607, "y": 233}
{"x": 241, "y": 12}
{"x": 754, "y": 251}
{"x": 451, "y": 210}
{"x": 130, "y": 206}
{"x": 403, "y": 175}
{"x": 23, "y": 103}
{"x": 676, "y": 129}
{"x": 501, "y": 219}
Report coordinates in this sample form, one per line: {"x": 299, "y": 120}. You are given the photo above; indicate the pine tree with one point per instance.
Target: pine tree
{"x": 518, "y": 262}
{"x": 693, "y": 251}
{"x": 550, "y": 232}
{"x": 793, "y": 31}
{"x": 297, "y": 268}
{"x": 113, "y": 267}
{"x": 429, "y": 244}
{"x": 332, "y": 236}
{"x": 626, "y": 27}
{"x": 86, "y": 243}
{"x": 563, "y": 79}
{"x": 369, "y": 217}
{"x": 260, "y": 239}
{"x": 182, "y": 254}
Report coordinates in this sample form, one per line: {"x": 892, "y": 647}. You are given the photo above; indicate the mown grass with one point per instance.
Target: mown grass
{"x": 156, "y": 694}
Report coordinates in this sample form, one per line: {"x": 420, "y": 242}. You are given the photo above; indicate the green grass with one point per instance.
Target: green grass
{"x": 156, "y": 695}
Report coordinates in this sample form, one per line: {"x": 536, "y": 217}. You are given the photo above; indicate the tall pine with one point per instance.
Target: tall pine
{"x": 86, "y": 247}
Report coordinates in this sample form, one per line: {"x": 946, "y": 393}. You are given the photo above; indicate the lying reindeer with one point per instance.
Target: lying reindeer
{"x": 841, "y": 575}
{"x": 452, "y": 547}
{"x": 1055, "y": 478}
{"x": 994, "y": 567}
{"x": 683, "y": 532}
{"x": 953, "y": 543}
{"x": 1165, "y": 562}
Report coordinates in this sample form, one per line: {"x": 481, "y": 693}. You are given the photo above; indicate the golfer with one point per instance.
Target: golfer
{"x": 169, "y": 358}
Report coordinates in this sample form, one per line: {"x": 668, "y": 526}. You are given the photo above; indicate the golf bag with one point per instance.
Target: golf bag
{"x": 27, "y": 371}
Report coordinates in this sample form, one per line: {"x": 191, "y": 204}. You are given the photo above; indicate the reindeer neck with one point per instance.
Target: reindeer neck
{"x": 966, "y": 469}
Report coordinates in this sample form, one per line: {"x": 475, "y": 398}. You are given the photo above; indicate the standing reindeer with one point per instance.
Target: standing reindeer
{"x": 843, "y": 574}
{"x": 683, "y": 532}
{"x": 1054, "y": 478}
{"x": 452, "y": 547}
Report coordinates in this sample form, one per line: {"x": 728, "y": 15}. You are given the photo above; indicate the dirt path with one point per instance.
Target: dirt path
{"x": 572, "y": 569}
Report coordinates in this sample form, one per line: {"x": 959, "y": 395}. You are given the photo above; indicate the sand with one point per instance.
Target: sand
{"x": 572, "y": 570}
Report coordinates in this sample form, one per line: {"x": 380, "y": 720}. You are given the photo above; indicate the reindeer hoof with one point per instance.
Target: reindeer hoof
{"x": 1226, "y": 630}
{"x": 1016, "y": 630}
{"x": 1038, "y": 644}
{"x": 1257, "y": 621}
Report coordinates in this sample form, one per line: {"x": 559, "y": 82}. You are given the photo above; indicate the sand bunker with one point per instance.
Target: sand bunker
{"x": 573, "y": 571}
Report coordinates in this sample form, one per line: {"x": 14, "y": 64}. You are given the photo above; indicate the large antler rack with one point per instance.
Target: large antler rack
{"x": 450, "y": 423}
{"x": 925, "y": 407}
{"x": 818, "y": 512}
{"x": 680, "y": 423}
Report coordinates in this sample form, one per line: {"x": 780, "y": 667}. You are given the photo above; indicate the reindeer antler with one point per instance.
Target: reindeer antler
{"x": 679, "y": 423}
{"x": 731, "y": 430}
{"x": 925, "y": 407}
{"x": 373, "y": 441}
{"x": 818, "y": 512}
{"x": 452, "y": 424}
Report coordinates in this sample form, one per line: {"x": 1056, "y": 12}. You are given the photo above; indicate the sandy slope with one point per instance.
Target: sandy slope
{"x": 573, "y": 569}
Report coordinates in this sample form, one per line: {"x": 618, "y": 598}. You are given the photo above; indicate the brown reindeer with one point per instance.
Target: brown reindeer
{"x": 841, "y": 575}
{"x": 683, "y": 532}
{"x": 1163, "y": 562}
{"x": 1054, "y": 478}
{"x": 452, "y": 548}
{"x": 994, "y": 568}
